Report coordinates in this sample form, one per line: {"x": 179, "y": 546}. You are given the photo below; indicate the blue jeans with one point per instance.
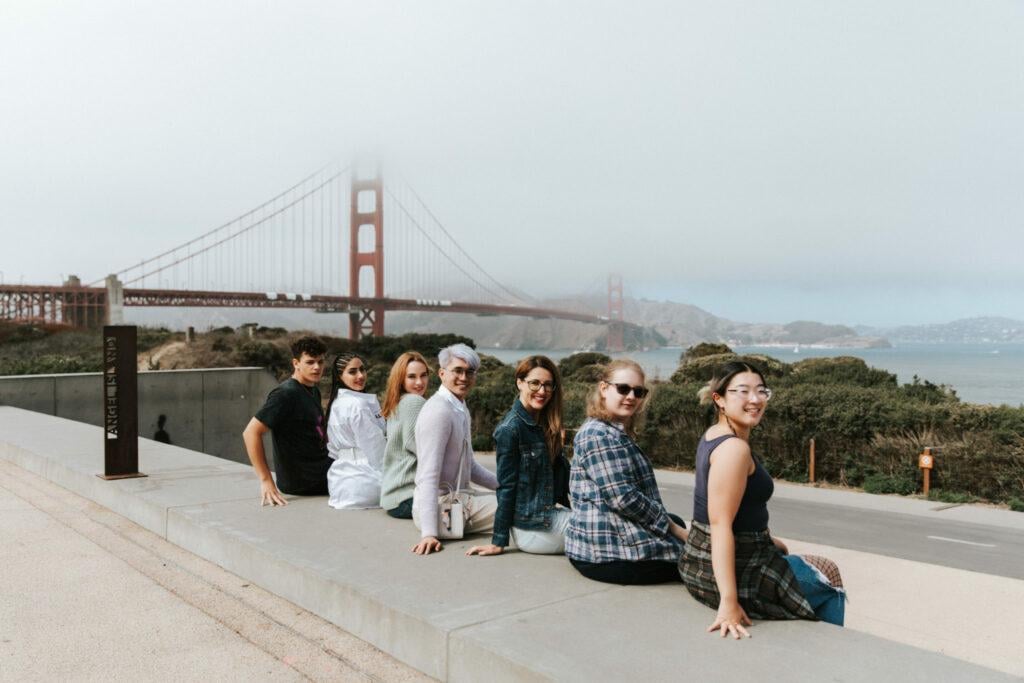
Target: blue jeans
{"x": 828, "y": 603}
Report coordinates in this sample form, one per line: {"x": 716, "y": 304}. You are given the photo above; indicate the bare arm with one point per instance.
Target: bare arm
{"x": 253, "y": 438}
{"x": 727, "y": 481}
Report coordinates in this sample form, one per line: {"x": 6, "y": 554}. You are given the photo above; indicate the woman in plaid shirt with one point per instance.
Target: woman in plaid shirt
{"x": 620, "y": 531}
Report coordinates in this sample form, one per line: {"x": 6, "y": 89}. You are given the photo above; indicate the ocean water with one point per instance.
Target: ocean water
{"x": 980, "y": 373}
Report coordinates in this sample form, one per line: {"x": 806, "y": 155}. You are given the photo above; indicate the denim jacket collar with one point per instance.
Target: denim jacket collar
{"x": 523, "y": 414}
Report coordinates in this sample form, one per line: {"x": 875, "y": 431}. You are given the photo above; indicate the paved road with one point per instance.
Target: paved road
{"x": 948, "y": 543}
{"x": 975, "y": 547}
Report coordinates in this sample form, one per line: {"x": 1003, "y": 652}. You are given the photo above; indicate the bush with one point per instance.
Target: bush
{"x": 950, "y": 496}
{"x": 588, "y": 362}
{"x": 1017, "y": 504}
{"x": 703, "y": 349}
{"x": 885, "y": 483}
{"x": 845, "y": 370}
{"x": 263, "y": 354}
{"x": 701, "y": 369}
{"x": 150, "y": 337}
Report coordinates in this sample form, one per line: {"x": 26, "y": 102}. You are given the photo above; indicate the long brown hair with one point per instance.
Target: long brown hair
{"x": 396, "y": 381}
{"x": 550, "y": 418}
{"x": 595, "y": 401}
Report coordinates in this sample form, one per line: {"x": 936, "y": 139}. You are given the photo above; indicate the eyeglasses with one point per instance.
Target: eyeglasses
{"x": 764, "y": 393}
{"x": 468, "y": 373}
{"x": 624, "y": 390}
{"x": 535, "y": 385}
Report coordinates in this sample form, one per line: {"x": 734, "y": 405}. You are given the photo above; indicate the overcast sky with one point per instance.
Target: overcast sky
{"x": 854, "y": 162}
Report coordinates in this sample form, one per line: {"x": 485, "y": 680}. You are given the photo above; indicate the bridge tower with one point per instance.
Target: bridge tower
{"x": 616, "y": 328}
{"x": 366, "y": 320}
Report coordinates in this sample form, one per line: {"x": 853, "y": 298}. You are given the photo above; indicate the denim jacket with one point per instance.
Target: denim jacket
{"x": 529, "y": 484}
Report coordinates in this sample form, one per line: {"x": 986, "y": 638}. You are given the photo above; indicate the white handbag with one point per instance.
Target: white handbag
{"x": 451, "y": 512}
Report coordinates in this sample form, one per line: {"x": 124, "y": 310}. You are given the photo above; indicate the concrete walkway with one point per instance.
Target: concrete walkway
{"x": 91, "y": 596}
{"x": 509, "y": 618}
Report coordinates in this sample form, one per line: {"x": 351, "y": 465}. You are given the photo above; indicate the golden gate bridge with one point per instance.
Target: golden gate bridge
{"x": 319, "y": 245}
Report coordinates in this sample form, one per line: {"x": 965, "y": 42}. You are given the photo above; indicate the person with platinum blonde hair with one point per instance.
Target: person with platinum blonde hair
{"x": 445, "y": 453}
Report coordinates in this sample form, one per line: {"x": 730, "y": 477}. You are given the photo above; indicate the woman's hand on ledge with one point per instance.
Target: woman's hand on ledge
{"x": 485, "y": 550}
{"x": 730, "y": 619}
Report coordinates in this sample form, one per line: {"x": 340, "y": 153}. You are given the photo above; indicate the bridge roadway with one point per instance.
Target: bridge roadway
{"x": 517, "y": 617}
{"x": 45, "y": 303}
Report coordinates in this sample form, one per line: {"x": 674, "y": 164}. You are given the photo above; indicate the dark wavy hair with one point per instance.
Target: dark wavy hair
{"x": 720, "y": 380}
{"x": 311, "y": 346}
{"x": 341, "y": 361}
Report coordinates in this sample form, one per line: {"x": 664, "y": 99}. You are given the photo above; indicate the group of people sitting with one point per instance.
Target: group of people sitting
{"x": 413, "y": 457}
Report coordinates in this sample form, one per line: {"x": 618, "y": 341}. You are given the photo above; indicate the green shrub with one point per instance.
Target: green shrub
{"x": 703, "y": 349}
{"x": 263, "y": 354}
{"x": 887, "y": 483}
{"x": 845, "y": 370}
{"x": 942, "y": 496}
{"x": 150, "y": 337}
{"x": 586, "y": 362}
{"x": 1017, "y": 504}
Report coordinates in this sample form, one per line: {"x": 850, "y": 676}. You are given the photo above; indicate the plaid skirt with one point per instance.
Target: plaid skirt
{"x": 765, "y": 584}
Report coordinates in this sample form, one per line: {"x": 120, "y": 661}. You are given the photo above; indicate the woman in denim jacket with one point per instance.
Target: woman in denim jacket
{"x": 533, "y": 475}
{"x": 620, "y": 531}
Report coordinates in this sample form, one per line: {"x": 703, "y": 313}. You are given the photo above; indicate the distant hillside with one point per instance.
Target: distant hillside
{"x": 665, "y": 323}
{"x": 965, "y": 331}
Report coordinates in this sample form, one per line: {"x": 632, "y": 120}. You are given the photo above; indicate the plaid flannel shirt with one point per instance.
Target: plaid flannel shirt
{"x": 617, "y": 510}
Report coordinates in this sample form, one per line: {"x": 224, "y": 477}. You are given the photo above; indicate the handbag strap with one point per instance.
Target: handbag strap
{"x": 452, "y": 490}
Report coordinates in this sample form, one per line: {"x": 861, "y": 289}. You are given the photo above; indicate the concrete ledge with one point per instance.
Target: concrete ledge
{"x": 515, "y": 617}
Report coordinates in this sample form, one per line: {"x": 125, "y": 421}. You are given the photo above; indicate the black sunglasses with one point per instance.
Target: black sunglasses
{"x": 624, "y": 390}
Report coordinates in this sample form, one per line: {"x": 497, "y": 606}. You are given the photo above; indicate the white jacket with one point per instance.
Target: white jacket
{"x": 355, "y": 440}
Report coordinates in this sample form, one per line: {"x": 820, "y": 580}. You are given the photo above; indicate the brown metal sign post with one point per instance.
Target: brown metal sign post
{"x": 120, "y": 403}
{"x": 926, "y": 461}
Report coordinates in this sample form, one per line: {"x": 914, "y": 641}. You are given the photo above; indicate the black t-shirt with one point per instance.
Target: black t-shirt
{"x": 296, "y": 422}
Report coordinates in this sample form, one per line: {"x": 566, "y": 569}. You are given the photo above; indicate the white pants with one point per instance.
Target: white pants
{"x": 353, "y": 482}
{"x": 480, "y": 508}
{"x": 545, "y": 542}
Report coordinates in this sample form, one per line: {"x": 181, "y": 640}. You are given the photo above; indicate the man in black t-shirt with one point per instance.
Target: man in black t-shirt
{"x": 294, "y": 417}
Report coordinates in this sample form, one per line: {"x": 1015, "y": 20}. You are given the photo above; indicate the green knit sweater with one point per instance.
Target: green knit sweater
{"x": 399, "y": 477}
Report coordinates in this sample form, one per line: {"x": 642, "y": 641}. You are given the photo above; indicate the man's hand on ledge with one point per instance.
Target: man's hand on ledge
{"x": 269, "y": 495}
{"x": 426, "y": 546}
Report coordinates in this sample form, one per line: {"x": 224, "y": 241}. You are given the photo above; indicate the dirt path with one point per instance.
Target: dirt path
{"x": 151, "y": 358}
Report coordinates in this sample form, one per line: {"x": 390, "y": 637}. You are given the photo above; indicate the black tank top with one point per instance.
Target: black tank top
{"x": 753, "y": 512}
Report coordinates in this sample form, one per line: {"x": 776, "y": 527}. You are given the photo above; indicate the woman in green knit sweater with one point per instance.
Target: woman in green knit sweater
{"x": 403, "y": 400}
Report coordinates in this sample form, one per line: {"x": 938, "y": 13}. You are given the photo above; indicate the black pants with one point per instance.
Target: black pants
{"x": 403, "y": 511}
{"x": 627, "y": 573}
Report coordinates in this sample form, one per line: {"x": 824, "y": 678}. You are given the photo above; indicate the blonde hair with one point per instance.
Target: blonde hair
{"x": 595, "y": 401}
{"x": 396, "y": 381}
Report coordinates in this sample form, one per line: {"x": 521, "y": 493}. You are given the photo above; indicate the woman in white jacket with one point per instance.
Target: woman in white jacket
{"x": 355, "y": 437}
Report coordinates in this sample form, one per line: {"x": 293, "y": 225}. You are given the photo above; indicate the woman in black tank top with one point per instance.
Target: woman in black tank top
{"x": 731, "y": 562}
